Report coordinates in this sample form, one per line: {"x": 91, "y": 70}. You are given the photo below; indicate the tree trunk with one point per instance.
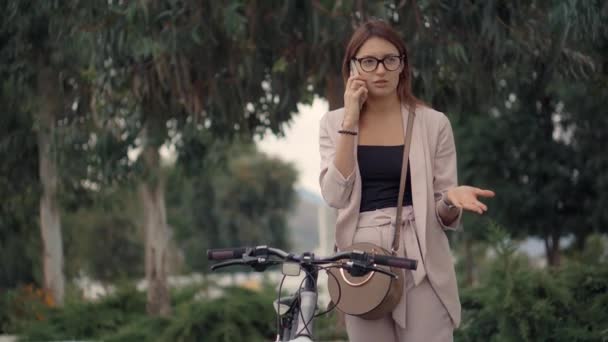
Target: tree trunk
{"x": 50, "y": 220}
{"x": 552, "y": 249}
{"x": 580, "y": 241}
{"x": 334, "y": 91}
{"x": 156, "y": 234}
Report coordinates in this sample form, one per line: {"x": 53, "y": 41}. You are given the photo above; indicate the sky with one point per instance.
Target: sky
{"x": 300, "y": 145}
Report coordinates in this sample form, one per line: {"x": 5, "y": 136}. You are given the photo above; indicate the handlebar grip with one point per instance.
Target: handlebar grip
{"x": 388, "y": 260}
{"x": 226, "y": 253}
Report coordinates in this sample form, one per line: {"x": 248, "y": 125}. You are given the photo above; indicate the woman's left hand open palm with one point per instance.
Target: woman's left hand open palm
{"x": 466, "y": 197}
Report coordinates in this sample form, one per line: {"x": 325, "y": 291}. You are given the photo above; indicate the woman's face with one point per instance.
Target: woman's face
{"x": 380, "y": 82}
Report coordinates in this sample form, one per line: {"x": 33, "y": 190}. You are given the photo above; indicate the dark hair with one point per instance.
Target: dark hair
{"x": 380, "y": 29}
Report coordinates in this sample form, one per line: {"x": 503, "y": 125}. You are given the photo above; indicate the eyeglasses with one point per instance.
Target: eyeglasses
{"x": 369, "y": 64}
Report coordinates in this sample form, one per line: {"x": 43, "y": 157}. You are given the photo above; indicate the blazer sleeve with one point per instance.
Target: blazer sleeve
{"x": 335, "y": 188}
{"x": 445, "y": 173}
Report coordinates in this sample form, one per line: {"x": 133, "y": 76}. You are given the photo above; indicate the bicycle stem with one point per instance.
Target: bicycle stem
{"x": 308, "y": 302}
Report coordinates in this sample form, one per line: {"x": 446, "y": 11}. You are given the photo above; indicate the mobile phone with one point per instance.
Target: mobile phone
{"x": 353, "y": 69}
{"x": 355, "y": 72}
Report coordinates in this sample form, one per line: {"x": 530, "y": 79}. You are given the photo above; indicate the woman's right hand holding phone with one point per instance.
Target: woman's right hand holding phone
{"x": 355, "y": 95}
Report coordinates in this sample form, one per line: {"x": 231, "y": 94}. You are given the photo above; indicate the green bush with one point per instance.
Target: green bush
{"x": 21, "y": 305}
{"x": 144, "y": 328}
{"x": 518, "y": 303}
{"x": 514, "y": 302}
{"x": 4, "y": 312}
{"x": 330, "y": 327}
{"x": 86, "y": 320}
{"x": 121, "y": 317}
{"x": 239, "y": 312}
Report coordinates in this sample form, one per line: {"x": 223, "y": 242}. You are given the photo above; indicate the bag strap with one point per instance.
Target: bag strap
{"x": 404, "y": 165}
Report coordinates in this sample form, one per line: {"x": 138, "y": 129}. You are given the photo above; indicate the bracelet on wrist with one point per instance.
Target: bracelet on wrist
{"x": 344, "y": 131}
{"x": 448, "y": 203}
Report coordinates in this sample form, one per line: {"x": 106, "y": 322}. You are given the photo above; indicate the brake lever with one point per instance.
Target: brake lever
{"x": 358, "y": 269}
{"x": 383, "y": 271}
{"x": 227, "y": 264}
{"x": 259, "y": 264}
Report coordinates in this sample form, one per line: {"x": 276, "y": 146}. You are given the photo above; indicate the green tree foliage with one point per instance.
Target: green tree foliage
{"x": 319, "y": 31}
{"x": 242, "y": 197}
{"x": 499, "y": 70}
{"x": 586, "y": 128}
{"x": 188, "y": 66}
{"x": 104, "y": 240}
{"x": 244, "y": 200}
{"x": 40, "y": 59}
{"x": 540, "y": 165}
{"x": 19, "y": 190}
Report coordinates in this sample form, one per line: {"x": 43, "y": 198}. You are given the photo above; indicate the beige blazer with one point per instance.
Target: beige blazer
{"x": 432, "y": 161}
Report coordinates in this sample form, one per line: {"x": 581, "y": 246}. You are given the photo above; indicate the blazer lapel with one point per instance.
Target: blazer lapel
{"x": 358, "y": 186}
{"x": 417, "y": 163}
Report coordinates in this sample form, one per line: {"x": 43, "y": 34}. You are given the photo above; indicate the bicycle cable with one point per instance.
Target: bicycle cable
{"x": 339, "y": 291}
{"x": 300, "y": 304}
{"x": 306, "y": 323}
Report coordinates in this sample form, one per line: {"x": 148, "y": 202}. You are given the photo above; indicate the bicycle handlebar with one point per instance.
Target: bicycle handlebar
{"x": 226, "y": 253}
{"x": 388, "y": 260}
{"x": 240, "y": 252}
{"x": 357, "y": 263}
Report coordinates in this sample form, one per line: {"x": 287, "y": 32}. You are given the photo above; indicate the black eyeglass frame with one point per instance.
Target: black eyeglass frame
{"x": 378, "y": 61}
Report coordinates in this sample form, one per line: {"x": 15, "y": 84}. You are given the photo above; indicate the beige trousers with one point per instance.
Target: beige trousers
{"x": 426, "y": 318}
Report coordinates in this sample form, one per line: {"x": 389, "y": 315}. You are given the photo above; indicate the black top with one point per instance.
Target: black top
{"x": 380, "y": 168}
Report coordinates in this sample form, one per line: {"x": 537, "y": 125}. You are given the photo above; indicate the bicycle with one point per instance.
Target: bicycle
{"x": 296, "y": 312}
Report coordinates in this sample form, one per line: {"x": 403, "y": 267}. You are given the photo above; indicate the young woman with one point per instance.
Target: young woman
{"x": 361, "y": 148}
